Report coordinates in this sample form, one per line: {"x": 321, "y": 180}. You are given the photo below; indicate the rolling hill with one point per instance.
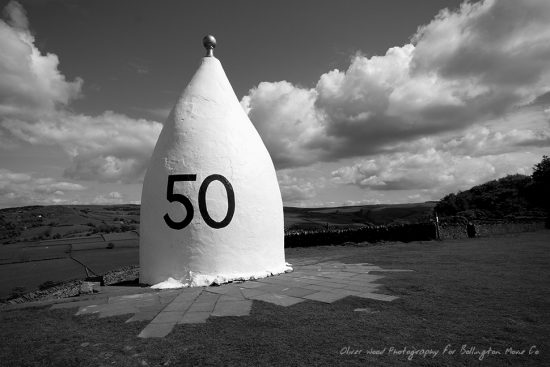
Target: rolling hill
{"x": 44, "y": 223}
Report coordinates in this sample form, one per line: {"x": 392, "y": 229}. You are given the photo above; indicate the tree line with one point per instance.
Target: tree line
{"x": 511, "y": 196}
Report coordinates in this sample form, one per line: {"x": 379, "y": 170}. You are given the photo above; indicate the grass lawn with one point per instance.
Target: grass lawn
{"x": 477, "y": 295}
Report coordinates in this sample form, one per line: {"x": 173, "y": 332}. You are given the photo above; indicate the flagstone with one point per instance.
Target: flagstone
{"x": 247, "y": 293}
{"x": 324, "y": 282}
{"x": 222, "y": 289}
{"x": 194, "y": 317}
{"x": 327, "y": 297}
{"x": 298, "y": 292}
{"x": 278, "y": 299}
{"x": 156, "y": 330}
{"x": 272, "y": 288}
{"x": 203, "y": 306}
{"x": 143, "y": 316}
{"x": 167, "y": 298}
{"x": 317, "y": 288}
{"x": 171, "y": 317}
{"x": 252, "y": 284}
{"x": 378, "y": 297}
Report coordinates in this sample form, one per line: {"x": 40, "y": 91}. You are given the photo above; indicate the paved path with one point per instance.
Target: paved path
{"x": 324, "y": 282}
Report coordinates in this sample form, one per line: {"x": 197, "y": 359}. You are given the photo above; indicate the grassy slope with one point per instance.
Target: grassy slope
{"x": 488, "y": 292}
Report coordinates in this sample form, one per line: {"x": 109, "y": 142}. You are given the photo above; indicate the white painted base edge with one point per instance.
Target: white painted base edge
{"x": 204, "y": 280}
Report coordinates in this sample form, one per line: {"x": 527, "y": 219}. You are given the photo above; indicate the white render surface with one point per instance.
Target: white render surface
{"x": 208, "y": 133}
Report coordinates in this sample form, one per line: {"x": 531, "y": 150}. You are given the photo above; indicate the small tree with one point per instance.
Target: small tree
{"x": 541, "y": 171}
{"x": 541, "y": 185}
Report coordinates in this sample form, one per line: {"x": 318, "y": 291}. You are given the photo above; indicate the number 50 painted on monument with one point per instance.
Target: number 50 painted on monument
{"x": 184, "y": 200}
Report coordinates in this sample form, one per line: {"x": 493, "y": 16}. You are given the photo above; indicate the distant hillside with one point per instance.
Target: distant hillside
{"x": 40, "y": 223}
{"x": 36, "y": 223}
{"x": 513, "y": 195}
{"x": 303, "y": 218}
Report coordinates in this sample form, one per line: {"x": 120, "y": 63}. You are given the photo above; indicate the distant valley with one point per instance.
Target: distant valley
{"x": 56, "y": 222}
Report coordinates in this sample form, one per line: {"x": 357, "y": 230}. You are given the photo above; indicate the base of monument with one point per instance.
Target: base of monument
{"x": 205, "y": 280}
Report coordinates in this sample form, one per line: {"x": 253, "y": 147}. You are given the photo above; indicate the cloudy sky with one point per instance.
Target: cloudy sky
{"x": 357, "y": 101}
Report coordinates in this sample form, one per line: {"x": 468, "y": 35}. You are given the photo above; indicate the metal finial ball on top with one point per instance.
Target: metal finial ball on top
{"x": 209, "y": 42}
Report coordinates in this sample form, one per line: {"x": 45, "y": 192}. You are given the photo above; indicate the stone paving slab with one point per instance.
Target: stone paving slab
{"x": 208, "y": 295}
{"x": 202, "y": 307}
{"x": 344, "y": 292}
{"x": 317, "y": 288}
{"x": 234, "y": 292}
{"x": 278, "y": 299}
{"x": 271, "y": 280}
{"x": 248, "y": 293}
{"x": 168, "y": 317}
{"x": 156, "y": 331}
{"x": 341, "y": 281}
{"x": 143, "y": 316}
{"x": 272, "y": 288}
{"x": 250, "y": 285}
{"x": 325, "y": 282}
{"x": 327, "y": 297}
{"x": 195, "y": 317}
{"x": 223, "y": 289}
{"x": 164, "y": 300}
{"x": 298, "y": 292}
{"x": 333, "y": 285}
{"x": 378, "y": 297}
{"x": 154, "y": 308}
{"x": 182, "y": 302}
{"x": 205, "y": 303}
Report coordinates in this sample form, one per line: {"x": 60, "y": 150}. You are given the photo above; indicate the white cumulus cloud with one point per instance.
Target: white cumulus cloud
{"x": 17, "y": 189}
{"x": 109, "y": 147}
{"x": 34, "y": 99}
{"x": 479, "y": 63}
{"x": 294, "y": 189}
{"x": 114, "y": 197}
{"x": 30, "y": 82}
{"x": 432, "y": 172}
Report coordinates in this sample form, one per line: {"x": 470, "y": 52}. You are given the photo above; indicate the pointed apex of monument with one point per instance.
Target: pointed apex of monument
{"x": 209, "y": 43}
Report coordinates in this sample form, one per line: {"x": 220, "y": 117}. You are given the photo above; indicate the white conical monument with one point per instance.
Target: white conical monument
{"x": 211, "y": 208}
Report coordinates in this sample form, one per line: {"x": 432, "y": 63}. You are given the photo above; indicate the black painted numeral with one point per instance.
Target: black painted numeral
{"x": 184, "y": 200}
{"x": 171, "y": 197}
{"x": 230, "y": 201}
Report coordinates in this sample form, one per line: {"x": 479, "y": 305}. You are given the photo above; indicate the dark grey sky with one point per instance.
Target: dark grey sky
{"x": 139, "y": 54}
{"x": 357, "y": 101}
